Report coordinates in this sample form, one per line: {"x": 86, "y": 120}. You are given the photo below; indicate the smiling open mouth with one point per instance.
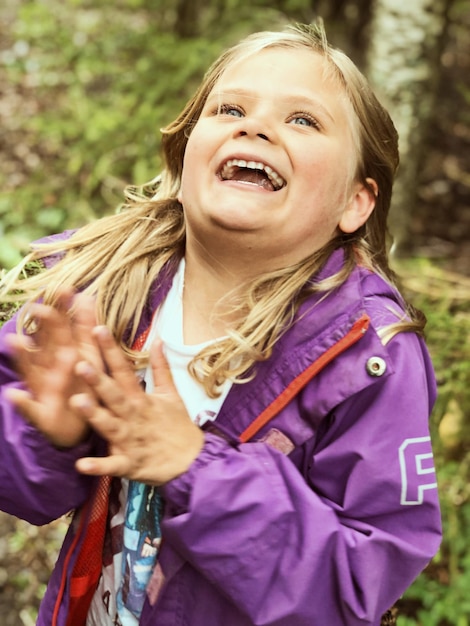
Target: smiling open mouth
{"x": 253, "y": 172}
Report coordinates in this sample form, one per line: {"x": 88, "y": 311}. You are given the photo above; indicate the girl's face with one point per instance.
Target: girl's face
{"x": 271, "y": 159}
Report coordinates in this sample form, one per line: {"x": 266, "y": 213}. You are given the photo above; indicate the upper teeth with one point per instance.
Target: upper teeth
{"x": 273, "y": 176}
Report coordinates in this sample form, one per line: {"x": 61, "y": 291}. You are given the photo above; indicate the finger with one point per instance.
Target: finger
{"x": 83, "y": 323}
{"x": 50, "y": 323}
{"x": 119, "y": 366}
{"x": 33, "y": 411}
{"x": 64, "y": 299}
{"x": 114, "y": 465}
{"x": 50, "y": 378}
{"x": 54, "y": 321}
{"x": 100, "y": 417}
{"x": 116, "y": 407}
{"x": 21, "y": 349}
{"x": 21, "y": 400}
{"x": 162, "y": 378}
{"x": 50, "y": 333}
{"x": 31, "y": 359}
{"x": 110, "y": 427}
{"x": 42, "y": 418}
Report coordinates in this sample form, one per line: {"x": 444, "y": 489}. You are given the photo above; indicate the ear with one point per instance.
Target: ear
{"x": 359, "y": 207}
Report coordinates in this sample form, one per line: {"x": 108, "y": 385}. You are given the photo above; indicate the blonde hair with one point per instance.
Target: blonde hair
{"x": 119, "y": 257}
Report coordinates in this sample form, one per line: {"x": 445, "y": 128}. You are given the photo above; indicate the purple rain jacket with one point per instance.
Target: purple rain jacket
{"x": 314, "y": 499}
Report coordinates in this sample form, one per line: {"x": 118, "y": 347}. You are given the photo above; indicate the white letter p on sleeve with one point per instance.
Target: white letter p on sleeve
{"x": 417, "y": 469}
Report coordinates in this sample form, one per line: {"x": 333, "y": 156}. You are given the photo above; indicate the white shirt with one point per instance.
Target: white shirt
{"x": 168, "y": 326}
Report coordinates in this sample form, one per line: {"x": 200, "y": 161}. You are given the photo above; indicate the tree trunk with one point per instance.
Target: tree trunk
{"x": 406, "y": 43}
{"x": 187, "y": 22}
{"x": 349, "y": 21}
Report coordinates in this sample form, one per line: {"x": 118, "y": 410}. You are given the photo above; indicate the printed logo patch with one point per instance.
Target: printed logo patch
{"x": 278, "y": 440}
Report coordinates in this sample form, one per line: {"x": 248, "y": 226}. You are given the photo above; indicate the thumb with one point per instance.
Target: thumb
{"x": 162, "y": 378}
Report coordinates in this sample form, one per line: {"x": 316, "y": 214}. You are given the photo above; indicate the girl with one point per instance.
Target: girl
{"x": 236, "y": 403}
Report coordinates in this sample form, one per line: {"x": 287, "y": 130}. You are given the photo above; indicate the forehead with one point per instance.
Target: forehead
{"x": 290, "y": 75}
{"x": 305, "y": 69}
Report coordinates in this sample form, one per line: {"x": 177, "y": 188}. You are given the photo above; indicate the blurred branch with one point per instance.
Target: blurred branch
{"x": 437, "y": 283}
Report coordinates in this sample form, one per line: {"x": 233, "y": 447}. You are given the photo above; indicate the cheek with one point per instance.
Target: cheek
{"x": 188, "y": 173}
{"x": 198, "y": 144}
{"x": 195, "y": 156}
{"x": 322, "y": 179}
{"x": 186, "y": 190}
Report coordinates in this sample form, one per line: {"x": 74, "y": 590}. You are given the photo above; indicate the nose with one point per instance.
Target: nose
{"x": 254, "y": 127}
{"x": 244, "y": 133}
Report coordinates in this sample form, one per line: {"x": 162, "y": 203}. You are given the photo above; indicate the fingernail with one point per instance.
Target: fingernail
{"x": 84, "y": 369}
{"x": 103, "y": 332}
{"x": 85, "y": 466}
{"x": 82, "y": 401}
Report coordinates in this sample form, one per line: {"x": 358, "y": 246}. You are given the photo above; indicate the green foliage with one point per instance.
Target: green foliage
{"x": 94, "y": 83}
{"x": 32, "y": 552}
{"x": 439, "y": 597}
{"x": 8, "y": 308}
{"x": 99, "y": 101}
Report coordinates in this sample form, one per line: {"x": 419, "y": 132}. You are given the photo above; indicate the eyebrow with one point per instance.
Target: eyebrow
{"x": 293, "y": 100}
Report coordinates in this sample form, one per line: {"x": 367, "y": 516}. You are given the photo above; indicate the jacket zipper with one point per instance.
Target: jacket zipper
{"x": 356, "y": 332}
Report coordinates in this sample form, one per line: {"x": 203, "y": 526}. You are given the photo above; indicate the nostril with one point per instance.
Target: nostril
{"x": 246, "y": 133}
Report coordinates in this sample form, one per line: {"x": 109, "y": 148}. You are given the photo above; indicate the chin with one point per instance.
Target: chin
{"x": 234, "y": 219}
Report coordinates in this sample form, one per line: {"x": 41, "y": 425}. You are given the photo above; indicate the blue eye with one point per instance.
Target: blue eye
{"x": 304, "y": 119}
{"x": 230, "y": 109}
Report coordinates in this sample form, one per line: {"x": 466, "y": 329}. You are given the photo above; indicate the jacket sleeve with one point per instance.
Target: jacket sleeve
{"x": 340, "y": 543}
{"x": 38, "y": 482}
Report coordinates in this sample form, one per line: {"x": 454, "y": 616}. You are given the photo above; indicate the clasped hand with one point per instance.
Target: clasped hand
{"x": 151, "y": 437}
{"x": 77, "y": 378}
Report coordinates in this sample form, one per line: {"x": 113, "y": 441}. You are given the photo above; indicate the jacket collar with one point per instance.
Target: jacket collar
{"x": 321, "y": 322}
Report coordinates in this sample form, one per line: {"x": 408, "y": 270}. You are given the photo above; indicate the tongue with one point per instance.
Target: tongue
{"x": 255, "y": 177}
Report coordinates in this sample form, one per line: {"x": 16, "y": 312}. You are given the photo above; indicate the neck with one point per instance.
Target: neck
{"x": 213, "y": 280}
{"x": 236, "y": 258}
{"x": 218, "y": 271}
{"x": 206, "y": 308}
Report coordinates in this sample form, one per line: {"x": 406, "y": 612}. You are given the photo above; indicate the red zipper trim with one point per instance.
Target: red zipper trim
{"x": 137, "y": 345}
{"x": 65, "y": 569}
{"x": 356, "y": 332}
{"x": 142, "y": 338}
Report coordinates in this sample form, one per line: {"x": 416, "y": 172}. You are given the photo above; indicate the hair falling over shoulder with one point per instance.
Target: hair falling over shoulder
{"x": 118, "y": 258}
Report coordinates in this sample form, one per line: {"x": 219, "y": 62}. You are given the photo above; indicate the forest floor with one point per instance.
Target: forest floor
{"x": 27, "y": 556}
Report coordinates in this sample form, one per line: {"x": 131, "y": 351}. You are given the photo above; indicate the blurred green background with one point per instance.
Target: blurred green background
{"x": 85, "y": 87}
